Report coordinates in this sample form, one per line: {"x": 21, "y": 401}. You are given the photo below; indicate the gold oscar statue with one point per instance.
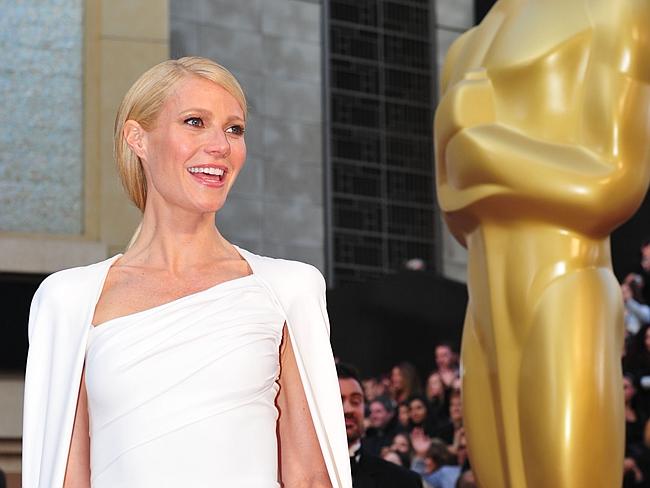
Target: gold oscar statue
{"x": 543, "y": 148}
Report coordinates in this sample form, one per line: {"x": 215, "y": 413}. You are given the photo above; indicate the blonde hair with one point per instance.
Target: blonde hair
{"x": 143, "y": 102}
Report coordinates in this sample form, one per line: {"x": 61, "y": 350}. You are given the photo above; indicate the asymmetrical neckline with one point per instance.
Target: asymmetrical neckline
{"x": 111, "y": 261}
{"x": 223, "y": 285}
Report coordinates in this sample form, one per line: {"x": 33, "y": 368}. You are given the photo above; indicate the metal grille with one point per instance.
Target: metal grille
{"x": 380, "y": 136}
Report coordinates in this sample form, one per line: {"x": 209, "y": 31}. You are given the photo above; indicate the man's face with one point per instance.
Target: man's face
{"x": 443, "y": 357}
{"x": 379, "y": 416}
{"x": 645, "y": 258}
{"x": 353, "y": 404}
{"x": 456, "y": 409}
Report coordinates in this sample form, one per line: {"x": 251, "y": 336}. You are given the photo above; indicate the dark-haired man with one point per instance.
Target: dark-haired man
{"x": 383, "y": 425}
{"x": 367, "y": 471}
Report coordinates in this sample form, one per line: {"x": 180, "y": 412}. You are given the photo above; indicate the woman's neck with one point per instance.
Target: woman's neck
{"x": 178, "y": 241}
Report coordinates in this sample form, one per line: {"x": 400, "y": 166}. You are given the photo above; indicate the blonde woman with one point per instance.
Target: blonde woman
{"x": 186, "y": 361}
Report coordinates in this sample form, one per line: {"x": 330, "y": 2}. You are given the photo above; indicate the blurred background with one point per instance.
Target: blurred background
{"x": 340, "y": 170}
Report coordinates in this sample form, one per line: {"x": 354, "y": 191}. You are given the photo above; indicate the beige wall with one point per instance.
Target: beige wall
{"x": 123, "y": 38}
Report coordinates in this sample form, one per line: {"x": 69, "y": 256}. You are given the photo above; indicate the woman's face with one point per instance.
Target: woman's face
{"x": 369, "y": 389}
{"x": 435, "y": 387}
{"x": 456, "y": 409}
{"x": 196, "y": 149}
{"x": 396, "y": 379}
{"x": 400, "y": 444}
{"x": 417, "y": 411}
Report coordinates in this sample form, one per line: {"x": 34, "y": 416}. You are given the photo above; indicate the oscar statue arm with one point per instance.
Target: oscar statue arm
{"x": 593, "y": 183}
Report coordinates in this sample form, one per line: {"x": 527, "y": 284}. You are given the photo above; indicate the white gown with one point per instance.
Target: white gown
{"x": 183, "y": 394}
{"x": 136, "y": 427}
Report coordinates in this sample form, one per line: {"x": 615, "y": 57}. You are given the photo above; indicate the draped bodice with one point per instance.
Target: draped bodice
{"x": 183, "y": 394}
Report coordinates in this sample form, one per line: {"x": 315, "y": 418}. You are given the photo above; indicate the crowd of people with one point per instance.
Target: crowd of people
{"x": 636, "y": 373}
{"x": 415, "y": 425}
{"x": 419, "y": 425}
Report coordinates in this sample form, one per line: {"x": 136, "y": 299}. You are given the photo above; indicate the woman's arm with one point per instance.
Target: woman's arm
{"x": 77, "y": 472}
{"x": 301, "y": 460}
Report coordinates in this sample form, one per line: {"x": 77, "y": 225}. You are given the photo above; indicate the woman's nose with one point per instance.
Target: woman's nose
{"x": 218, "y": 144}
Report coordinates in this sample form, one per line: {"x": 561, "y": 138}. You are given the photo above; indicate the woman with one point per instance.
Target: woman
{"x": 446, "y": 364}
{"x": 419, "y": 417}
{"x": 436, "y": 394}
{"x": 403, "y": 416}
{"x": 404, "y": 382}
{"x": 402, "y": 445}
{"x": 188, "y": 361}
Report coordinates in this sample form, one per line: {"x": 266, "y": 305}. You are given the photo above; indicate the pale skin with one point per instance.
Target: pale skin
{"x": 179, "y": 251}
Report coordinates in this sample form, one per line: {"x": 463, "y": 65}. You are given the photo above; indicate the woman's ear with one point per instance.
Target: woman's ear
{"x": 135, "y": 136}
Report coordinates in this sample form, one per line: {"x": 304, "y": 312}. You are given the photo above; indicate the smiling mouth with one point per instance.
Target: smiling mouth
{"x": 208, "y": 174}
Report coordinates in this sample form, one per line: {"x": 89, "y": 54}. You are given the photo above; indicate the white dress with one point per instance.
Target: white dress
{"x": 183, "y": 394}
{"x": 61, "y": 341}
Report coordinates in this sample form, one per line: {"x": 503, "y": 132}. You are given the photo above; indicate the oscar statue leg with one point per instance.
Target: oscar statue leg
{"x": 570, "y": 384}
{"x": 481, "y": 418}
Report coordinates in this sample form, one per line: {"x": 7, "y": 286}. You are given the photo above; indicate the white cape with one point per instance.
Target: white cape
{"x": 60, "y": 318}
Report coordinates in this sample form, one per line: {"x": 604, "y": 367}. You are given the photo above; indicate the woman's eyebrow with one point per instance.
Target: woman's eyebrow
{"x": 235, "y": 118}
{"x": 201, "y": 111}
{"x": 208, "y": 113}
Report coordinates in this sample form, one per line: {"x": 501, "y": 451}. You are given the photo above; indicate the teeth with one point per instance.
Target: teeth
{"x": 207, "y": 171}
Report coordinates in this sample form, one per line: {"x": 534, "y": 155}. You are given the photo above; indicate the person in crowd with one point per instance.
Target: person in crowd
{"x": 402, "y": 444}
{"x": 435, "y": 461}
{"x": 637, "y": 362}
{"x": 383, "y": 425}
{"x": 403, "y": 415}
{"x": 635, "y": 419}
{"x": 645, "y": 268}
{"x": 395, "y": 457}
{"x": 448, "y": 431}
{"x": 637, "y": 312}
{"x": 367, "y": 471}
{"x": 436, "y": 394}
{"x": 636, "y": 425}
{"x": 185, "y": 349}
{"x": 419, "y": 415}
{"x": 446, "y": 364}
{"x": 632, "y": 474}
{"x": 466, "y": 480}
{"x": 370, "y": 388}
{"x": 405, "y": 382}
{"x": 391, "y": 457}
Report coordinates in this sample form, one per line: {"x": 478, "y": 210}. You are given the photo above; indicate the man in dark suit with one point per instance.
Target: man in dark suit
{"x": 367, "y": 471}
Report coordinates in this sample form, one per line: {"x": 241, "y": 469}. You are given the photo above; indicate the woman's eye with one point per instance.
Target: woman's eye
{"x": 194, "y": 121}
{"x": 236, "y": 129}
